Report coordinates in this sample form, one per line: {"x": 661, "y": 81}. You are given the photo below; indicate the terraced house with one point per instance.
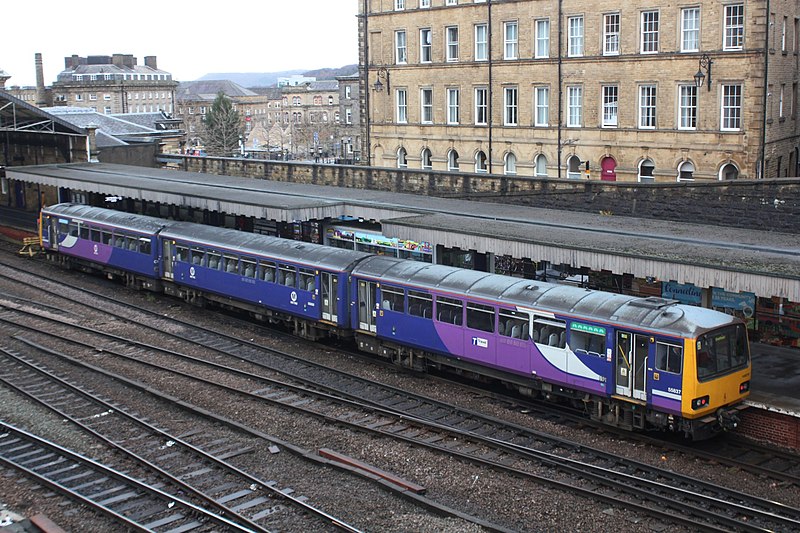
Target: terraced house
{"x": 618, "y": 90}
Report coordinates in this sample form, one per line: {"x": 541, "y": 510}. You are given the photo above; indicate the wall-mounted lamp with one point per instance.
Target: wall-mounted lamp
{"x": 382, "y": 74}
{"x": 705, "y": 63}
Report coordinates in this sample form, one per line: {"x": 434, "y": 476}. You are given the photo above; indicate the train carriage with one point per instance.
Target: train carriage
{"x": 301, "y": 284}
{"x": 120, "y": 244}
{"x": 636, "y": 363}
{"x": 630, "y": 360}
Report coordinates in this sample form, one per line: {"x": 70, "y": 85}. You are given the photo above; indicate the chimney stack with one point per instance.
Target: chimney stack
{"x": 150, "y": 61}
{"x": 41, "y": 93}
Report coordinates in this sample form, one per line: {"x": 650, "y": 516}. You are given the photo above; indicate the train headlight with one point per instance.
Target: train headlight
{"x": 699, "y": 403}
{"x": 744, "y": 387}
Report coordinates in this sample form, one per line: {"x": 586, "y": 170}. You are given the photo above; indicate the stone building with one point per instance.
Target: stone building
{"x": 350, "y": 131}
{"x": 193, "y": 99}
{"x": 293, "y": 121}
{"x": 635, "y": 91}
{"x": 114, "y": 84}
{"x": 313, "y": 114}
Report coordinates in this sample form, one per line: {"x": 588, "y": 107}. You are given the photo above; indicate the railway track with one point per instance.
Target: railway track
{"x": 769, "y": 462}
{"x": 131, "y": 503}
{"x": 471, "y": 437}
{"x": 409, "y": 408}
{"x": 195, "y": 462}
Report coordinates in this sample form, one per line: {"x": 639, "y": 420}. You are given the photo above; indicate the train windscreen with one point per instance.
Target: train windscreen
{"x": 721, "y": 351}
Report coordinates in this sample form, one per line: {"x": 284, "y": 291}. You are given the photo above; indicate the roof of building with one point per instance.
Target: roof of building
{"x": 209, "y": 89}
{"x": 112, "y": 130}
{"x": 16, "y": 114}
{"x": 67, "y": 75}
{"x": 157, "y": 120}
{"x": 273, "y": 93}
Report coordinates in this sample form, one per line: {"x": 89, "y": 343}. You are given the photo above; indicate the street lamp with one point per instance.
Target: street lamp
{"x": 382, "y": 73}
{"x": 705, "y": 63}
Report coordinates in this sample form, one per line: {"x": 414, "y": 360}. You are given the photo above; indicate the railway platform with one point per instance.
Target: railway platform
{"x": 743, "y": 260}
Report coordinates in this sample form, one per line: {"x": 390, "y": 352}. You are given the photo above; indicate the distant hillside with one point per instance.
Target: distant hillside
{"x": 251, "y": 79}
{"x": 331, "y": 73}
{"x": 268, "y": 79}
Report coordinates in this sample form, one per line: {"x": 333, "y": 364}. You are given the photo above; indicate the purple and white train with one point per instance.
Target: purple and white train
{"x": 636, "y": 363}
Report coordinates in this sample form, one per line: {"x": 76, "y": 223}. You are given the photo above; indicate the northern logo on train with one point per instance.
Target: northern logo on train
{"x": 191, "y": 273}
{"x": 293, "y": 296}
{"x": 94, "y": 249}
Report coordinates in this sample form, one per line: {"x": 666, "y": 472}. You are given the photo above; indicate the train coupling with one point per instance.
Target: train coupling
{"x": 728, "y": 417}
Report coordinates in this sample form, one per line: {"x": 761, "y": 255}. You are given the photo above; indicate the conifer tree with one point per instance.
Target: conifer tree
{"x": 223, "y": 127}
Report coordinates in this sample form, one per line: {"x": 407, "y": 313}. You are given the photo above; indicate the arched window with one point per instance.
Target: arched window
{"x": 686, "y": 171}
{"x": 452, "y": 160}
{"x": 427, "y": 159}
{"x": 541, "y": 166}
{"x": 574, "y": 167}
{"x": 646, "y": 170}
{"x": 728, "y": 172}
{"x": 402, "y": 159}
{"x": 510, "y": 165}
{"x": 480, "y": 162}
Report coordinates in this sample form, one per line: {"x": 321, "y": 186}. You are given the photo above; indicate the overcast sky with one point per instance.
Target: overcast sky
{"x": 188, "y": 39}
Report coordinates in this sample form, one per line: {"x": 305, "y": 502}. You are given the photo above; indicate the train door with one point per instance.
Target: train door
{"x": 367, "y": 291}
{"x": 631, "y": 365}
{"x": 167, "y": 258}
{"x": 52, "y": 233}
{"x": 330, "y": 296}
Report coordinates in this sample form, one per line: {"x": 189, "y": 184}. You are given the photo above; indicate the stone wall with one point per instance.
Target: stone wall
{"x": 772, "y": 204}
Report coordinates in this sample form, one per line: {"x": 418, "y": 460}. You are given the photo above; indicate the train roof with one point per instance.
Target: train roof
{"x": 314, "y": 255}
{"x": 128, "y": 221}
{"x": 651, "y": 313}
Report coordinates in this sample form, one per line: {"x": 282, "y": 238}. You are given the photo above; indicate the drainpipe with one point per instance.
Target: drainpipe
{"x": 365, "y": 86}
{"x": 761, "y": 171}
{"x": 491, "y": 92}
{"x": 560, "y": 90}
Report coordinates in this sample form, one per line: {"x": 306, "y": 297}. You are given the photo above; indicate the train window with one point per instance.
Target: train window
{"x": 267, "y": 271}
{"x": 669, "y": 357}
{"x": 449, "y": 310}
{"x": 231, "y": 264}
{"x": 587, "y": 339}
{"x": 392, "y": 299}
{"x": 420, "y": 304}
{"x": 144, "y": 245}
{"x": 480, "y": 317}
{"x": 307, "y": 280}
{"x": 197, "y": 255}
{"x": 63, "y": 228}
{"x": 213, "y": 259}
{"x": 248, "y": 268}
{"x": 721, "y": 351}
{"x": 286, "y": 275}
{"x": 550, "y": 332}
{"x": 94, "y": 234}
{"x": 132, "y": 244}
{"x": 105, "y": 237}
{"x": 84, "y": 231}
{"x": 181, "y": 253}
{"x": 513, "y": 324}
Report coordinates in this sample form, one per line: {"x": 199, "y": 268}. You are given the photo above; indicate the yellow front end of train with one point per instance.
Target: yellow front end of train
{"x": 716, "y": 379}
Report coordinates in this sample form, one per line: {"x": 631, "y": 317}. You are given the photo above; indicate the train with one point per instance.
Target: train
{"x": 637, "y": 363}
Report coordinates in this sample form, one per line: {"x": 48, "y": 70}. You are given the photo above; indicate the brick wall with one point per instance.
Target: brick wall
{"x": 774, "y": 428}
{"x": 772, "y": 204}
